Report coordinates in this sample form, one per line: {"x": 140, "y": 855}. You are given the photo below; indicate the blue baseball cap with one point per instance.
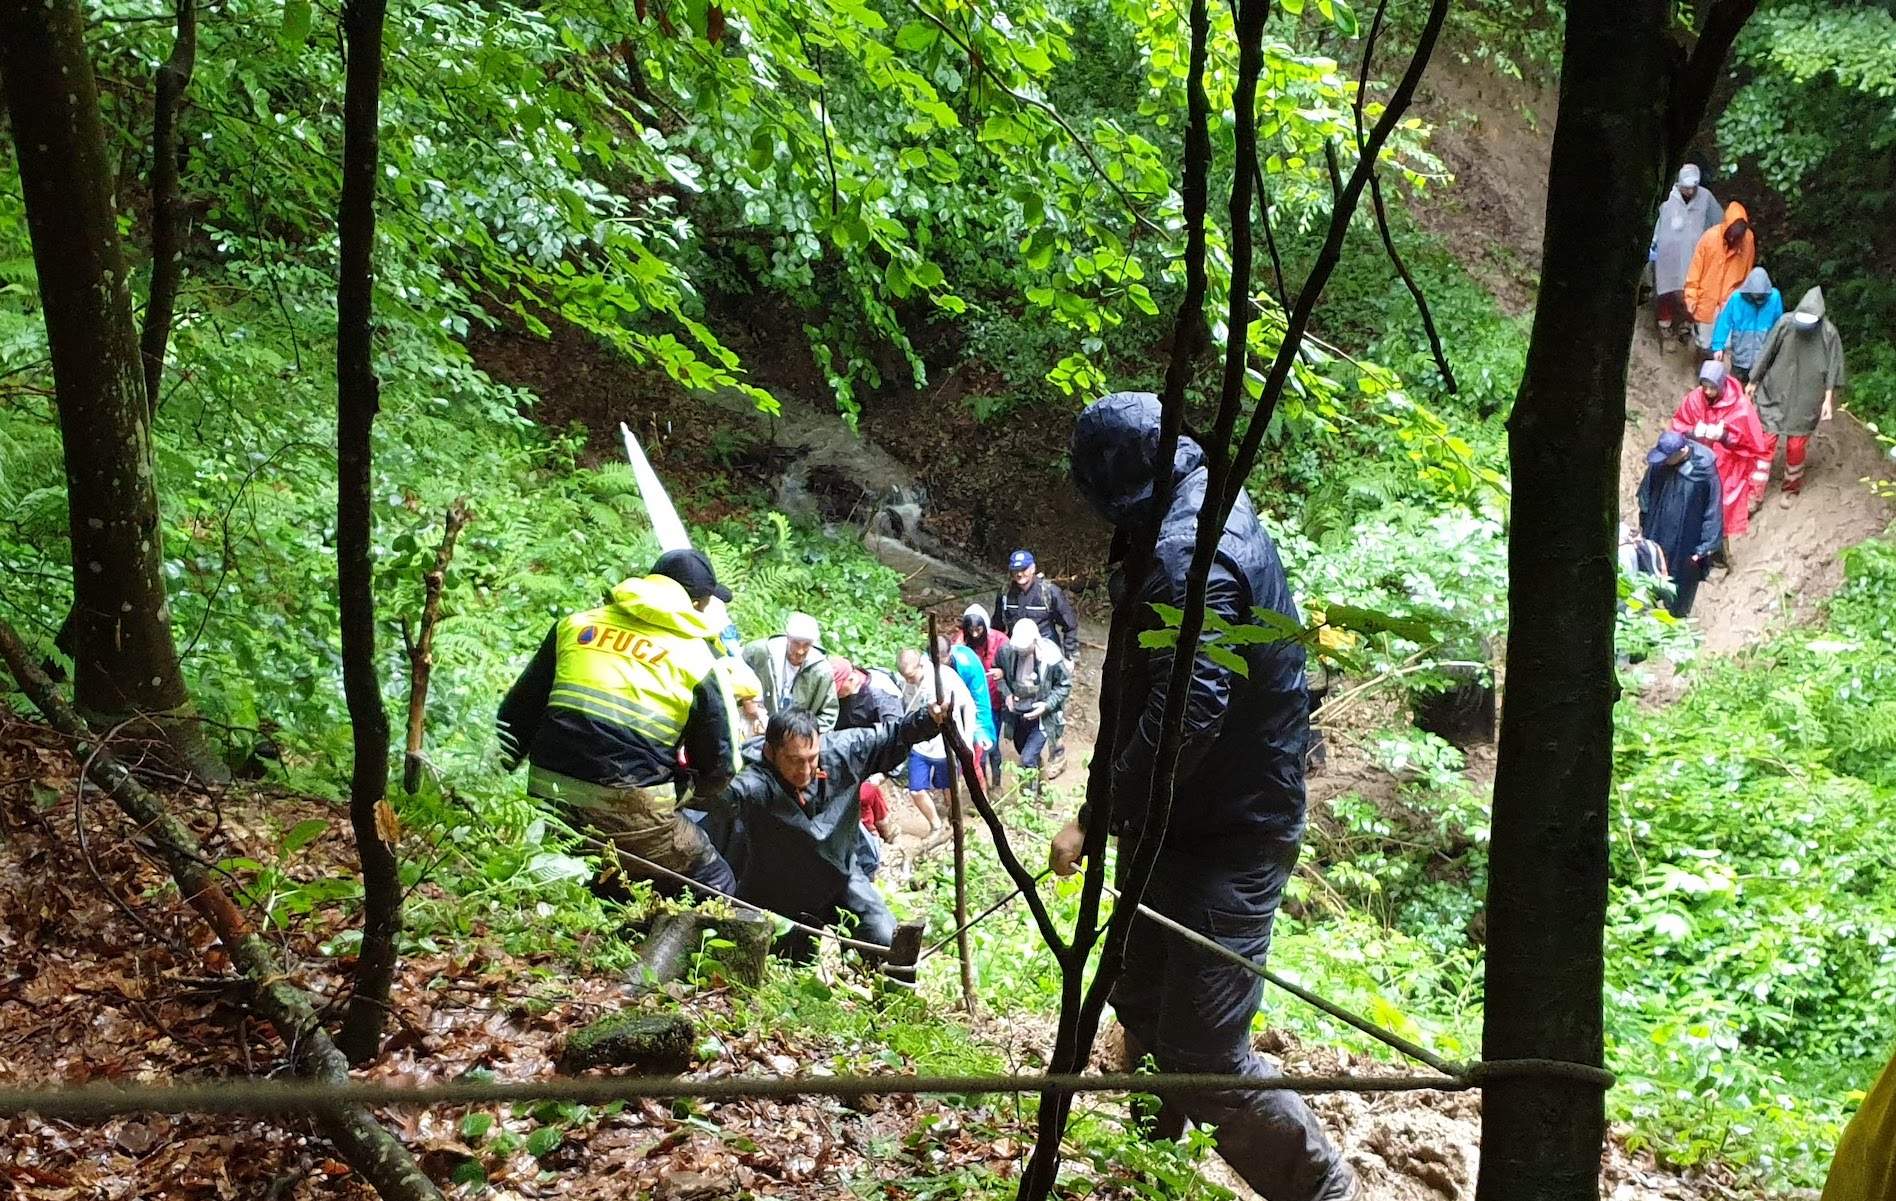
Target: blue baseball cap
{"x": 1020, "y": 560}
{"x": 1670, "y": 443}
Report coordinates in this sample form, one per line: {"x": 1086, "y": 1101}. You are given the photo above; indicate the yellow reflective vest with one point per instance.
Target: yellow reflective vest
{"x": 625, "y": 695}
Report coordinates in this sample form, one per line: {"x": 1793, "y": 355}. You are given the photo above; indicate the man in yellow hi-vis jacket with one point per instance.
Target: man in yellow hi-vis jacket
{"x": 623, "y": 720}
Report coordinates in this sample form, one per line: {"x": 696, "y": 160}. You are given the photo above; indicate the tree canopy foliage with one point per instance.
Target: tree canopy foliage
{"x": 901, "y": 188}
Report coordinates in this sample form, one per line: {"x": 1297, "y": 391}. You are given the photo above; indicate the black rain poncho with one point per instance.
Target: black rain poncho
{"x": 1241, "y": 772}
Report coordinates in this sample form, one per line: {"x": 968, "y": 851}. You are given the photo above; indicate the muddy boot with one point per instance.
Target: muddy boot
{"x": 1056, "y": 763}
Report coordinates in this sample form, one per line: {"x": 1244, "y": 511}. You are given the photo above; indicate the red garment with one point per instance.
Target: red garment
{"x": 1795, "y": 447}
{"x": 987, "y": 656}
{"x": 1742, "y": 448}
{"x": 875, "y": 806}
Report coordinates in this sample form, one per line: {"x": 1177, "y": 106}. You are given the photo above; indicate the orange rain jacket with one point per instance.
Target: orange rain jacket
{"x": 1716, "y": 272}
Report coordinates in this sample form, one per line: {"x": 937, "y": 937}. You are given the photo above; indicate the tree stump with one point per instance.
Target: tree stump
{"x": 650, "y": 1044}
{"x": 1464, "y": 713}
{"x": 676, "y": 937}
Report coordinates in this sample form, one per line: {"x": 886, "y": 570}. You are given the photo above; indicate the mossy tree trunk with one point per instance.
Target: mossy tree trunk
{"x": 125, "y": 659}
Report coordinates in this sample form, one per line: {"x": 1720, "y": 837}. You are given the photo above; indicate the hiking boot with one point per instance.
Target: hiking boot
{"x": 1056, "y": 763}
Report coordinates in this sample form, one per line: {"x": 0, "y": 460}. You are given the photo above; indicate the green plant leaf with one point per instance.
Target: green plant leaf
{"x": 303, "y": 833}
{"x": 297, "y": 16}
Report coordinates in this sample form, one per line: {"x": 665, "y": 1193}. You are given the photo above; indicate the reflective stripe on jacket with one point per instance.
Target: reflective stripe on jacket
{"x": 626, "y": 695}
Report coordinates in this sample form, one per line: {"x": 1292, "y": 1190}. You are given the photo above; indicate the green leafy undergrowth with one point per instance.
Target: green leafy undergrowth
{"x": 1752, "y": 938}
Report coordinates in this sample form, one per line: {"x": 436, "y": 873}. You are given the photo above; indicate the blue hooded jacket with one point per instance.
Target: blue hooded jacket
{"x": 1241, "y": 771}
{"x": 968, "y": 666}
{"x": 1743, "y": 323}
{"x": 1679, "y": 508}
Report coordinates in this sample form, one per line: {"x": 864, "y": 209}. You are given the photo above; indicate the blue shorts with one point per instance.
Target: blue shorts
{"x": 925, "y": 774}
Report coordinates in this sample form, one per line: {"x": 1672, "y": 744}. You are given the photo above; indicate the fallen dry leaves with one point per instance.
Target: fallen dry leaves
{"x": 90, "y": 992}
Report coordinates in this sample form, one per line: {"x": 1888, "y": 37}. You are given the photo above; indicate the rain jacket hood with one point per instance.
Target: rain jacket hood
{"x": 1798, "y": 365}
{"x": 1746, "y": 320}
{"x": 661, "y": 601}
{"x": 1115, "y": 444}
{"x": 1676, "y": 233}
{"x": 1717, "y": 270}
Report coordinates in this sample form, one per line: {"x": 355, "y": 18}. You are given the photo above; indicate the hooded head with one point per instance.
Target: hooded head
{"x": 1810, "y": 310}
{"x": 974, "y": 621}
{"x": 1026, "y": 635}
{"x": 1114, "y": 448}
{"x": 1689, "y": 176}
{"x": 1736, "y": 225}
{"x": 1712, "y": 376}
{"x": 1757, "y": 286}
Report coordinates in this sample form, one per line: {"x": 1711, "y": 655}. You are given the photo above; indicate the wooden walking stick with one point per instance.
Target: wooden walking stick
{"x": 969, "y": 1000}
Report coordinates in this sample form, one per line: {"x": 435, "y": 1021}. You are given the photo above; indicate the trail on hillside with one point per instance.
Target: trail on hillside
{"x": 1495, "y": 135}
{"x": 1792, "y": 558}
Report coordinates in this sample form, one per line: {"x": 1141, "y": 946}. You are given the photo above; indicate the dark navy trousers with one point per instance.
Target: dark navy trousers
{"x": 1191, "y": 1010}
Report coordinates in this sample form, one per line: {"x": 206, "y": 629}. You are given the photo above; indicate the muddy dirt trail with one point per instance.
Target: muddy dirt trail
{"x": 1494, "y": 134}
{"x": 1792, "y": 558}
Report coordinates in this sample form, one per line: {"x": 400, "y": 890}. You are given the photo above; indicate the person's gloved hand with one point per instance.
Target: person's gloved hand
{"x": 1063, "y": 856}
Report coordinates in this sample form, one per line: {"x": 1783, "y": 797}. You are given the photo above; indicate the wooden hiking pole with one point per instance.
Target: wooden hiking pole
{"x": 969, "y": 1000}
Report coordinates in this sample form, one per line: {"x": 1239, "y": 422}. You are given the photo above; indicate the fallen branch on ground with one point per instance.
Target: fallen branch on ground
{"x": 359, "y": 1139}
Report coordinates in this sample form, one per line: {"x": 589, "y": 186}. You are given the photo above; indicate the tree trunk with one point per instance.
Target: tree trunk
{"x": 1629, "y": 100}
{"x": 357, "y": 399}
{"x": 1631, "y": 97}
{"x": 1547, "y": 869}
{"x": 167, "y": 226}
{"x": 125, "y": 661}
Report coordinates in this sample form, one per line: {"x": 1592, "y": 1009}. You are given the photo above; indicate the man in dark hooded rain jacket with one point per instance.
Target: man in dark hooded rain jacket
{"x": 1679, "y": 510}
{"x": 1237, "y": 823}
{"x": 1795, "y": 382}
{"x": 792, "y": 819}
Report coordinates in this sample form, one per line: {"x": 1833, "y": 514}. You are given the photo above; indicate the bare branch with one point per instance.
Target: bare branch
{"x": 1382, "y": 214}
{"x": 167, "y": 233}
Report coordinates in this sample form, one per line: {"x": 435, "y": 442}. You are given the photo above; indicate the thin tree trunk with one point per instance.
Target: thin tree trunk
{"x": 1623, "y": 105}
{"x": 125, "y": 659}
{"x": 421, "y": 650}
{"x": 357, "y": 399}
{"x": 1073, "y": 1039}
{"x": 167, "y": 225}
{"x": 375, "y": 1154}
